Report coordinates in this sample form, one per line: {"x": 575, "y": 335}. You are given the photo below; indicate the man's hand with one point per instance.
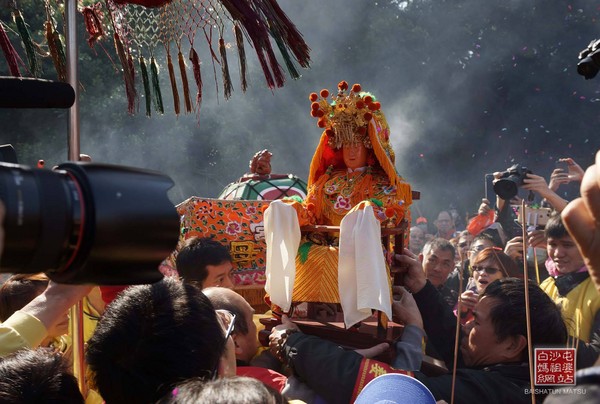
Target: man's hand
{"x": 468, "y": 300}
{"x": 278, "y": 332}
{"x": 514, "y": 248}
{"x": 374, "y": 350}
{"x": 537, "y": 184}
{"x": 582, "y": 219}
{"x": 484, "y": 208}
{"x": 576, "y": 173}
{"x": 404, "y": 308}
{"x": 414, "y": 276}
{"x": 536, "y": 238}
{"x": 557, "y": 178}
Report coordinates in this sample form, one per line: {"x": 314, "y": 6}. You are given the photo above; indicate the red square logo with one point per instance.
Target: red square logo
{"x": 554, "y": 366}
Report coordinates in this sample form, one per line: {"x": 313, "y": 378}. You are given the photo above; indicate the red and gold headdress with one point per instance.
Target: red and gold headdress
{"x": 352, "y": 117}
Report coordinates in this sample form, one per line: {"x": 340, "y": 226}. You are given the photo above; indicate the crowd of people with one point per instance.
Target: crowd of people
{"x": 476, "y": 298}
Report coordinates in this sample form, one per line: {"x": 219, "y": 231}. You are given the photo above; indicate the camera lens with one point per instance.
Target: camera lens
{"x": 506, "y": 188}
{"x": 587, "y": 68}
{"x": 87, "y": 223}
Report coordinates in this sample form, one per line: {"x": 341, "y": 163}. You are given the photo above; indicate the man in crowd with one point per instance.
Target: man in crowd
{"x": 205, "y": 262}
{"x": 493, "y": 356}
{"x": 417, "y": 240}
{"x": 438, "y": 261}
{"x": 245, "y": 336}
{"x": 571, "y": 287}
{"x": 152, "y": 337}
{"x": 445, "y": 225}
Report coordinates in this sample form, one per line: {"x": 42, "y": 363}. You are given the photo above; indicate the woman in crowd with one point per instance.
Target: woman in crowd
{"x": 487, "y": 266}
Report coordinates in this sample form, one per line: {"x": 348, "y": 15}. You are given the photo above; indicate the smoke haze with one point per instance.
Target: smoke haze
{"x": 468, "y": 88}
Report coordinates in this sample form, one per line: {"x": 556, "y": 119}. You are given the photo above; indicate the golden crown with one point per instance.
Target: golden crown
{"x": 346, "y": 117}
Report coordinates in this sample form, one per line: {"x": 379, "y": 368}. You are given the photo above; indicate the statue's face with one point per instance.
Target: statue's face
{"x": 263, "y": 166}
{"x": 355, "y": 155}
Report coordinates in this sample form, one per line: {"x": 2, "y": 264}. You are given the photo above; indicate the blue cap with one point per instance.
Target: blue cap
{"x": 395, "y": 388}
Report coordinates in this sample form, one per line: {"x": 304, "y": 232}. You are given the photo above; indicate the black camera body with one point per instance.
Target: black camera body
{"x": 589, "y": 60}
{"x": 507, "y": 185}
{"x": 87, "y": 223}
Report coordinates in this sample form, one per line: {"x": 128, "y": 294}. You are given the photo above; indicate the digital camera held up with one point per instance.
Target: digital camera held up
{"x": 589, "y": 60}
{"x": 507, "y": 185}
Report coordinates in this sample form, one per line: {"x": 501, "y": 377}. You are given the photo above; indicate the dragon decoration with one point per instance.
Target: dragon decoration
{"x": 148, "y": 34}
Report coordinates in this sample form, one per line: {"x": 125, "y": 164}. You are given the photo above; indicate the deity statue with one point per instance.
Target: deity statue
{"x": 352, "y": 184}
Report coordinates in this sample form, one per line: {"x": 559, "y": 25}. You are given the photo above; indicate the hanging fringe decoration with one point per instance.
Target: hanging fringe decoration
{"x": 184, "y": 81}
{"x": 197, "y": 76}
{"x": 286, "y": 57}
{"x": 173, "y": 84}
{"x": 10, "y": 53}
{"x": 156, "y": 94}
{"x": 131, "y": 68}
{"x": 34, "y": 65}
{"x": 57, "y": 52}
{"x": 289, "y": 33}
{"x": 128, "y": 75}
{"x": 146, "y": 82}
{"x": 227, "y": 85}
{"x": 93, "y": 26}
{"x": 239, "y": 40}
{"x": 277, "y": 72}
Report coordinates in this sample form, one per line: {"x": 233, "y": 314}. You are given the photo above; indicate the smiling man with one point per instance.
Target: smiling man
{"x": 493, "y": 358}
{"x": 205, "y": 262}
{"x": 571, "y": 287}
{"x": 438, "y": 261}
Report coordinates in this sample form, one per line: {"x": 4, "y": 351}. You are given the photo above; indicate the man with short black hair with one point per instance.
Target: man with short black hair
{"x": 571, "y": 287}
{"x": 152, "y": 337}
{"x": 38, "y": 376}
{"x": 205, "y": 262}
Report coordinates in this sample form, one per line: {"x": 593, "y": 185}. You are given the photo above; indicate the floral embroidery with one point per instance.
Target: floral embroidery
{"x": 251, "y": 210}
{"x": 233, "y": 228}
{"x": 342, "y": 203}
{"x": 331, "y": 189}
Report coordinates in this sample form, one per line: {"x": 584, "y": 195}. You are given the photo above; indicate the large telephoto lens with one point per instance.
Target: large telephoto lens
{"x": 87, "y": 223}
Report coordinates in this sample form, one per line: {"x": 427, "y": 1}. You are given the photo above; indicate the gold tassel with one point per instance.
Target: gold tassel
{"x": 184, "y": 81}
{"x": 173, "y": 84}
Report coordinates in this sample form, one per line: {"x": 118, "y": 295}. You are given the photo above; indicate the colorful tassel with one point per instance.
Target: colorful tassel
{"x": 173, "y": 84}
{"x": 227, "y": 85}
{"x": 93, "y": 26}
{"x": 239, "y": 40}
{"x": 286, "y": 57}
{"x": 128, "y": 75}
{"x": 156, "y": 93}
{"x": 146, "y": 82}
{"x": 10, "y": 52}
{"x": 197, "y": 76}
{"x": 34, "y": 65}
{"x": 184, "y": 82}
